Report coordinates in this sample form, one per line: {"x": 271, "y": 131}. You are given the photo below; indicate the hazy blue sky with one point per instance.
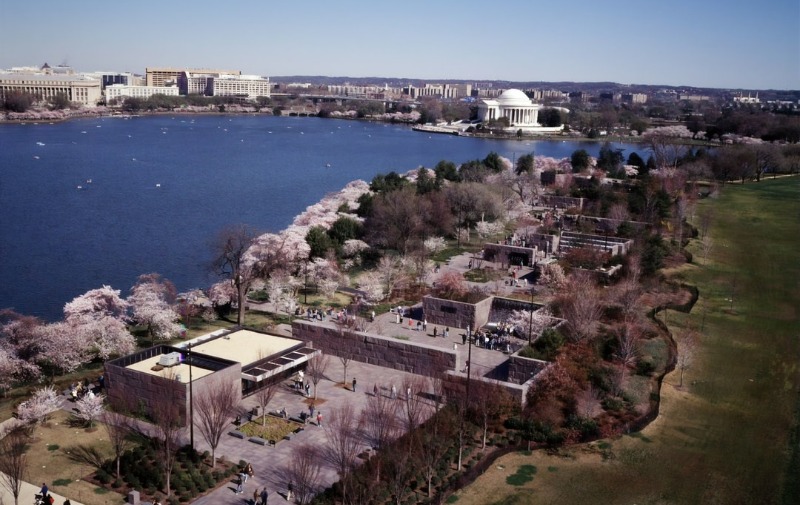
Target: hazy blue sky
{"x": 712, "y": 43}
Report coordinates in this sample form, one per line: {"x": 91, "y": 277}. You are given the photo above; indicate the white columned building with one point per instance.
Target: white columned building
{"x": 521, "y": 112}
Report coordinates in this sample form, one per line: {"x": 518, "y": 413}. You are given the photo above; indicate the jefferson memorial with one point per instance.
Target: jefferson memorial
{"x": 521, "y": 112}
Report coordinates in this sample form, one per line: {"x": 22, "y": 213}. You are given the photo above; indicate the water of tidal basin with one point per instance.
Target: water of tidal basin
{"x": 163, "y": 186}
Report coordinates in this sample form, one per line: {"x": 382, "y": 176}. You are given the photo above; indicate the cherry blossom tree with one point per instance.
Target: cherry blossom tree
{"x": 195, "y": 303}
{"x": 39, "y": 406}
{"x": 327, "y": 276}
{"x": 63, "y": 348}
{"x": 434, "y": 245}
{"x": 98, "y": 316}
{"x": 151, "y": 306}
{"x": 552, "y": 275}
{"x": 372, "y": 285}
{"x": 486, "y": 229}
{"x": 531, "y": 323}
{"x": 14, "y": 369}
{"x": 89, "y": 408}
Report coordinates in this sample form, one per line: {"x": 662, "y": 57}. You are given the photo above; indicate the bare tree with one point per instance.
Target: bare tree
{"x": 401, "y": 467}
{"x": 687, "y": 347}
{"x": 707, "y": 245}
{"x": 303, "y": 472}
{"x": 230, "y": 260}
{"x": 13, "y": 460}
{"x": 581, "y": 306}
{"x": 263, "y": 396}
{"x": 119, "y": 429}
{"x": 343, "y": 433}
{"x": 380, "y": 423}
{"x": 489, "y": 402}
{"x": 434, "y": 439}
{"x": 415, "y": 405}
{"x": 167, "y": 423}
{"x": 316, "y": 369}
{"x": 215, "y": 406}
{"x": 627, "y": 353}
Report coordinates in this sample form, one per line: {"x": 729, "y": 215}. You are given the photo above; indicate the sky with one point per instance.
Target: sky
{"x": 737, "y": 44}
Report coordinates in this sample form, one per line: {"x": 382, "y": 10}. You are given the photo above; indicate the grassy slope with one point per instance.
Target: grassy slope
{"x": 723, "y": 437}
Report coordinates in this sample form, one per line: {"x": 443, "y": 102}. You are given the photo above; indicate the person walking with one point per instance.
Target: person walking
{"x": 255, "y": 496}
{"x": 240, "y": 486}
{"x": 308, "y": 389}
{"x": 265, "y": 496}
{"x": 354, "y": 384}
{"x": 394, "y": 392}
{"x": 375, "y": 390}
{"x": 289, "y": 492}
{"x": 434, "y": 332}
{"x": 319, "y": 418}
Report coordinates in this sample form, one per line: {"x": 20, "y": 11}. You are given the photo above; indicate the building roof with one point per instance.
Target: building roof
{"x": 513, "y": 97}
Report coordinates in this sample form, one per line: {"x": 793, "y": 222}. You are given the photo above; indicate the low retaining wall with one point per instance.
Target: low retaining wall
{"x": 376, "y": 350}
{"x": 456, "y": 385}
{"x": 521, "y": 369}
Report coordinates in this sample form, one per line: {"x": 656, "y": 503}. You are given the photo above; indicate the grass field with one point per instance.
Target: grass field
{"x": 724, "y": 437}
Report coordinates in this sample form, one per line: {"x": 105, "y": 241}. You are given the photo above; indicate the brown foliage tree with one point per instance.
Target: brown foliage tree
{"x": 167, "y": 423}
{"x": 343, "y": 433}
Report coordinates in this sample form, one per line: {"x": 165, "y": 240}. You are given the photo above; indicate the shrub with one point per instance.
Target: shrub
{"x": 103, "y": 477}
{"x": 645, "y": 367}
{"x": 612, "y": 403}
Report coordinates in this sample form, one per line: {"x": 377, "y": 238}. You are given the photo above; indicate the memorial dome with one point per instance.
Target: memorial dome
{"x": 513, "y": 97}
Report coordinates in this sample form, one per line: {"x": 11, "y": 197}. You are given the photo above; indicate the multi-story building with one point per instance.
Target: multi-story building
{"x": 634, "y": 98}
{"x": 117, "y": 91}
{"x": 244, "y": 86}
{"x": 78, "y": 89}
{"x": 445, "y": 91}
{"x": 162, "y": 76}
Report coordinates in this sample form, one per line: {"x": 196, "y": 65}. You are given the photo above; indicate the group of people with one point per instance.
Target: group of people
{"x": 80, "y": 389}
{"x": 262, "y": 497}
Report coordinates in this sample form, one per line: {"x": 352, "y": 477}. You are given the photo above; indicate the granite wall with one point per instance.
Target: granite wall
{"x": 521, "y": 370}
{"x": 375, "y": 349}
{"x": 456, "y": 314}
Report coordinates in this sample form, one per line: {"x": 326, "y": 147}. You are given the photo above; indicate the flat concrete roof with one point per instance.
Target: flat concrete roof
{"x": 244, "y": 346}
{"x": 172, "y": 372}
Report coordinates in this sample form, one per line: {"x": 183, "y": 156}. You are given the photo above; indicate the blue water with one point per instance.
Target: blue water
{"x": 163, "y": 186}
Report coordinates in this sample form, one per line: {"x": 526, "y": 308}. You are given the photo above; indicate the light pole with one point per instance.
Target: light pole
{"x": 191, "y": 397}
{"x": 530, "y": 318}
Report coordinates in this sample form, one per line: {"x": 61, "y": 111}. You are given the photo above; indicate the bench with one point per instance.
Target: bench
{"x": 298, "y": 430}
{"x": 299, "y": 420}
{"x": 258, "y": 440}
{"x": 237, "y": 434}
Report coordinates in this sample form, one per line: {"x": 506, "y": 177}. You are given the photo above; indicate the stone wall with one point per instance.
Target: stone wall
{"x": 129, "y": 389}
{"x": 456, "y": 314}
{"x": 521, "y": 370}
{"x": 456, "y": 385}
{"x": 375, "y": 349}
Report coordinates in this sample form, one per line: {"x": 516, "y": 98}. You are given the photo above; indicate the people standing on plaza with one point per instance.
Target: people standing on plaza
{"x": 255, "y": 496}
{"x": 464, "y": 339}
{"x": 394, "y": 392}
{"x": 265, "y": 496}
{"x": 354, "y": 384}
{"x": 447, "y": 332}
{"x": 419, "y": 325}
{"x": 434, "y": 332}
{"x": 425, "y": 325}
{"x": 289, "y": 493}
{"x": 375, "y": 390}
{"x": 319, "y": 418}
{"x": 308, "y": 389}
{"x": 44, "y": 490}
{"x": 397, "y": 319}
{"x": 311, "y": 410}
{"x": 240, "y": 486}
{"x": 372, "y": 317}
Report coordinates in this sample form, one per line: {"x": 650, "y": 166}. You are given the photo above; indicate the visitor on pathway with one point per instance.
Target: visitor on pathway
{"x": 394, "y": 392}
{"x": 375, "y": 390}
{"x": 240, "y": 486}
{"x": 264, "y": 496}
{"x": 354, "y": 384}
{"x": 255, "y": 496}
{"x": 289, "y": 493}
{"x": 319, "y": 418}
{"x": 44, "y": 490}
{"x": 308, "y": 389}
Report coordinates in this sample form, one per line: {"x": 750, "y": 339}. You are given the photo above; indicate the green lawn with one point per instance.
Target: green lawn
{"x": 723, "y": 438}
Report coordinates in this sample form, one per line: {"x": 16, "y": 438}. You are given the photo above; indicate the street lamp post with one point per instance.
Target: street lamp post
{"x": 530, "y": 319}
{"x": 191, "y": 397}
